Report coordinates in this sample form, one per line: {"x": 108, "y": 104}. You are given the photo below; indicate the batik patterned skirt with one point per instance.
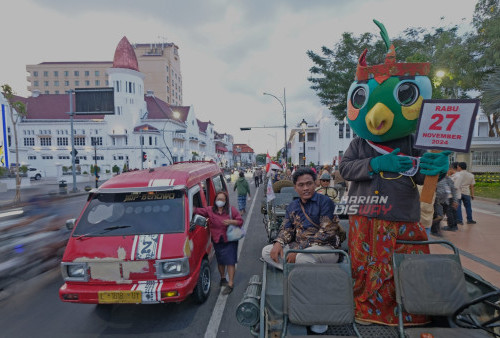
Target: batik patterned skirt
{"x": 372, "y": 243}
{"x": 242, "y": 202}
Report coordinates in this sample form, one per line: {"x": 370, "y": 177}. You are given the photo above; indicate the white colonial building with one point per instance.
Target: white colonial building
{"x": 141, "y": 123}
{"x": 325, "y": 141}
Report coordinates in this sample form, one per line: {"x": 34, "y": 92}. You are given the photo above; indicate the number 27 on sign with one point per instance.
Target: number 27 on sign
{"x": 452, "y": 118}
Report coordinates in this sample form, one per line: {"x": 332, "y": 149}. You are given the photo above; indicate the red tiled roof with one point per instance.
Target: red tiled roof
{"x": 51, "y": 107}
{"x": 159, "y": 109}
{"x": 182, "y": 110}
{"x": 203, "y": 125}
{"x": 244, "y": 148}
{"x": 125, "y": 56}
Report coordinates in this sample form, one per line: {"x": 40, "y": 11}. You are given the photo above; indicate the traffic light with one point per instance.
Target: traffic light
{"x": 144, "y": 156}
{"x": 74, "y": 151}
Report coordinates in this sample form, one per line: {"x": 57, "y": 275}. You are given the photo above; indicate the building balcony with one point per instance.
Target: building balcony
{"x": 179, "y": 136}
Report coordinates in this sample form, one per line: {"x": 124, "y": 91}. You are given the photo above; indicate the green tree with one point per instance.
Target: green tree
{"x": 17, "y": 110}
{"x": 23, "y": 169}
{"x": 486, "y": 44}
{"x": 93, "y": 169}
{"x": 260, "y": 159}
{"x": 334, "y": 70}
{"x": 116, "y": 169}
{"x": 491, "y": 101}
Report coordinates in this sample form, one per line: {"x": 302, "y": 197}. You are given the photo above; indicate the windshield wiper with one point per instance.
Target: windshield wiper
{"x": 103, "y": 231}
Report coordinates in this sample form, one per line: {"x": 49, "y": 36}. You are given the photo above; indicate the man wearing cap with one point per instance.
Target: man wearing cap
{"x": 325, "y": 188}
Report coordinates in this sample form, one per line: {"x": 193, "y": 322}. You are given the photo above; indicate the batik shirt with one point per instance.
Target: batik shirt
{"x": 299, "y": 233}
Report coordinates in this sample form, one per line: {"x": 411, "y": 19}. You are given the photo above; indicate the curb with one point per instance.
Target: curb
{"x": 486, "y": 199}
{"x": 9, "y": 204}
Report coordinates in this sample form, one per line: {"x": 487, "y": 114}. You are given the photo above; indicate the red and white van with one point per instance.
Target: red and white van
{"x": 137, "y": 240}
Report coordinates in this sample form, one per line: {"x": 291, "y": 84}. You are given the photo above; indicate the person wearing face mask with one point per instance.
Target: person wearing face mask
{"x": 226, "y": 252}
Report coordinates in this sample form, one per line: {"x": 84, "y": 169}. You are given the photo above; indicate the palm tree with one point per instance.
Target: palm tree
{"x": 16, "y": 108}
{"x": 491, "y": 101}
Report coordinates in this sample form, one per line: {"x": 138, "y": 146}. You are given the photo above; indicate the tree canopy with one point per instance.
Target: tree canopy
{"x": 465, "y": 61}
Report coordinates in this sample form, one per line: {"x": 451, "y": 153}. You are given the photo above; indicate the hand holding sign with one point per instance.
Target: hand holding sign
{"x": 435, "y": 163}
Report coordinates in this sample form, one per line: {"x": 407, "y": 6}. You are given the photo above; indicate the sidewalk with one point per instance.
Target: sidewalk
{"x": 479, "y": 243}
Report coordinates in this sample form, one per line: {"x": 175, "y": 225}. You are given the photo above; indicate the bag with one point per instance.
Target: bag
{"x": 233, "y": 232}
{"x": 335, "y": 224}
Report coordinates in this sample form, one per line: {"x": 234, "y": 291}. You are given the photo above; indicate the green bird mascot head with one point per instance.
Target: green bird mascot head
{"x": 384, "y": 101}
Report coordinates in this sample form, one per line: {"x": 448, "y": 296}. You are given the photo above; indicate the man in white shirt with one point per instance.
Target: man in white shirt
{"x": 467, "y": 193}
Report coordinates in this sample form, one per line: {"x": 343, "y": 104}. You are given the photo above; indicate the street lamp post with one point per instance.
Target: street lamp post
{"x": 283, "y": 105}
{"x": 94, "y": 143}
{"x": 303, "y": 125}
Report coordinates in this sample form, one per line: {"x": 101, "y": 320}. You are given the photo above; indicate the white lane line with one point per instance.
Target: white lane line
{"x": 218, "y": 311}
{"x": 11, "y": 213}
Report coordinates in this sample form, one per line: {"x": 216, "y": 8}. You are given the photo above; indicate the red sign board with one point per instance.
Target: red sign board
{"x": 446, "y": 124}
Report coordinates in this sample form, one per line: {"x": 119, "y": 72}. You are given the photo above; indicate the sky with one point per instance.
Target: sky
{"x": 231, "y": 51}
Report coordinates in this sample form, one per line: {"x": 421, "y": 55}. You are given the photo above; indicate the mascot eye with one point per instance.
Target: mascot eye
{"x": 358, "y": 97}
{"x": 407, "y": 93}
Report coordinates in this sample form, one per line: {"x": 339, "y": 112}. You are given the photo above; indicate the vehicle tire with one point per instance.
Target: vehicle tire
{"x": 37, "y": 177}
{"x": 202, "y": 289}
{"x": 103, "y": 311}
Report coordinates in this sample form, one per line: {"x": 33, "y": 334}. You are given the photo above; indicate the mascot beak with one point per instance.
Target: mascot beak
{"x": 379, "y": 119}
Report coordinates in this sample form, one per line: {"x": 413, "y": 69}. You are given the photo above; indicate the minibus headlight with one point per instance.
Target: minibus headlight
{"x": 77, "y": 272}
{"x": 170, "y": 268}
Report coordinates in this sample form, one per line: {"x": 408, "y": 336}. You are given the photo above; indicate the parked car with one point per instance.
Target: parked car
{"x": 35, "y": 174}
{"x": 138, "y": 241}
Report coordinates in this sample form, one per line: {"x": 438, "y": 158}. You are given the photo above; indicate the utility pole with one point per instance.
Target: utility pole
{"x": 142, "y": 142}
{"x": 73, "y": 155}
{"x": 96, "y": 172}
{"x": 284, "y": 114}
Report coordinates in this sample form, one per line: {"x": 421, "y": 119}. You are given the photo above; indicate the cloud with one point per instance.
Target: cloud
{"x": 231, "y": 51}
{"x": 184, "y": 13}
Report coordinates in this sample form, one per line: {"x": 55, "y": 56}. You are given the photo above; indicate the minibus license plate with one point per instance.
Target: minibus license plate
{"x": 107, "y": 297}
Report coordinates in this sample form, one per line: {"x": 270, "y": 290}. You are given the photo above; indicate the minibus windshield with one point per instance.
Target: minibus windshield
{"x": 138, "y": 213}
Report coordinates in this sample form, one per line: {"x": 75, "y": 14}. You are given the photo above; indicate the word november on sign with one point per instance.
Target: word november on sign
{"x": 446, "y": 124}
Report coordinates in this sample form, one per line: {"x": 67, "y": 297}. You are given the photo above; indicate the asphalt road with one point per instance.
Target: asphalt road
{"x": 33, "y": 308}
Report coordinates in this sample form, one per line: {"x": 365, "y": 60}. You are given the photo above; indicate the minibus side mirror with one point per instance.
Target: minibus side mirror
{"x": 199, "y": 220}
{"x": 70, "y": 223}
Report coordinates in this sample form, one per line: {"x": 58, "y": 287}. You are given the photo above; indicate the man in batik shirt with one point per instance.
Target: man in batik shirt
{"x": 309, "y": 224}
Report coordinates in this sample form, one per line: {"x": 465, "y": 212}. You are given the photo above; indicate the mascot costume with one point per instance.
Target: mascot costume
{"x": 383, "y": 106}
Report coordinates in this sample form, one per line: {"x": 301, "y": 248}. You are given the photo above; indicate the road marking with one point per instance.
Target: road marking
{"x": 218, "y": 311}
{"x": 11, "y": 213}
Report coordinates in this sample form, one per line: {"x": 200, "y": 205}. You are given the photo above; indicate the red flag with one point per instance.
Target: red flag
{"x": 270, "y": 164}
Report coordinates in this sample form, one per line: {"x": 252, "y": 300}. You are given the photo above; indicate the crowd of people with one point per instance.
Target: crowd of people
{"x": 452, "y": 190}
